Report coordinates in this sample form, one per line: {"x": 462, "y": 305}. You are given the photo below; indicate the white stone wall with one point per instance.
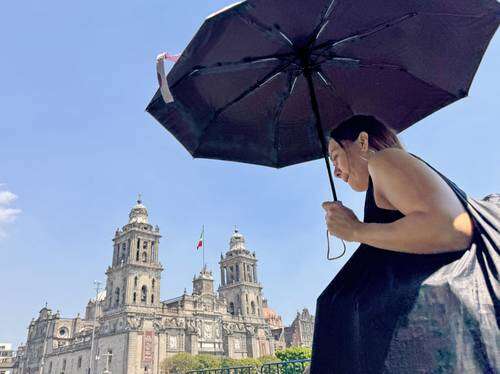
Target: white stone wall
{"x": 54, "y": 364}
{"x": 117, "y": 346}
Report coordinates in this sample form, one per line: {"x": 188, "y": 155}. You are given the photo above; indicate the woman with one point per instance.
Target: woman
{"x": 398, "y": 306}
{"x": 363, "y": 150}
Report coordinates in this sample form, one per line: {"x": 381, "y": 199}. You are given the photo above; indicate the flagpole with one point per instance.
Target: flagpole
{"x": 203, "y": 231}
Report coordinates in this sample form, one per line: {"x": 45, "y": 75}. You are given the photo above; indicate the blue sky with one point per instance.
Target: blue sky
{"x": 76, "y": 147}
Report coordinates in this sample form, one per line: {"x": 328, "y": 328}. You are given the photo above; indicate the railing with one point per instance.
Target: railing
{"x": 285, "y": 367}
{"x": 233, "y": 370}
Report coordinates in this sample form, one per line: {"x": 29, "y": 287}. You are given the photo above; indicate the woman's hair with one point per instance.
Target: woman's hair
{"x": 379, "y": 135}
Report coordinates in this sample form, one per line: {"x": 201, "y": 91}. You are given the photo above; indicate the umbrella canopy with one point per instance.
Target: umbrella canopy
{"x": 241, "y": 92}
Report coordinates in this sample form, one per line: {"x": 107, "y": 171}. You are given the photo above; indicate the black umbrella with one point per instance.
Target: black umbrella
{"x": 263, "y": 81}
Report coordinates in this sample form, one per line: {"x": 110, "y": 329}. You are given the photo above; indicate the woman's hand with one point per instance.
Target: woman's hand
{"x": 341, "y": 221}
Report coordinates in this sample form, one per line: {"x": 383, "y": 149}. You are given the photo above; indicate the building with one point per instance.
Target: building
{"x": 298, "y": 334}
{"x": 7, "y": 358}
{"x": 128, "y": 329}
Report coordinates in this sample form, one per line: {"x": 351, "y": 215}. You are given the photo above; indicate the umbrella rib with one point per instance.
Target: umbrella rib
{"x": 360, "y": 35}
{"x": 251, "y": 89}
{"x": 400, "y": 68}
{"x": 271, "y": 32}
{"x": 292, "y": 78}
{"x": 353, "y": 62}
{"x": 229, "y": 65}
{"x": 382, "y": 26}
{"x": 261, "y": 82}
{"x": 329, "y": 84}
{"x": 323, "y": 23}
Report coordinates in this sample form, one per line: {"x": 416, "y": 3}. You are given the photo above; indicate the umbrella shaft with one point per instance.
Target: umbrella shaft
{"x": 319, "y": 127}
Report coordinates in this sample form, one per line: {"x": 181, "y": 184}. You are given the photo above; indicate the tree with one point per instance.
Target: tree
{"x": 179, "y": 364}
{"x": 294, "y": 353}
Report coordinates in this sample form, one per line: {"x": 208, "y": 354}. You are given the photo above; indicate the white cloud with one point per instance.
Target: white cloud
{"x": 6, "y": 197}
{"x": 7, "y": 215}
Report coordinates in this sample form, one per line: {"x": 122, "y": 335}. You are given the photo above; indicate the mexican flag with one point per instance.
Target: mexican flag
{"x": 200, "y": 241}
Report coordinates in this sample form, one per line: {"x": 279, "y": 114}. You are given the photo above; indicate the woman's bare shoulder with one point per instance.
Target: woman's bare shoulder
{"x": 390, "y": 158}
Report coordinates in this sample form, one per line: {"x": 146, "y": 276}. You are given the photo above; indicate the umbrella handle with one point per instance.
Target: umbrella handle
{"x": 328, "y": 257}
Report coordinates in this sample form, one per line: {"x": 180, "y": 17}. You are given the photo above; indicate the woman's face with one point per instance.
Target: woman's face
{"x": 350, "y": 162}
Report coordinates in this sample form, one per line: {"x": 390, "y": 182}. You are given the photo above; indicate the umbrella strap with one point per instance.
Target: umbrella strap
{"x": 319, "y": 128}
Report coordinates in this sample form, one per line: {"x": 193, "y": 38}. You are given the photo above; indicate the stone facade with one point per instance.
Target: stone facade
{"x": 7, "y": 358}
{"x": 134, "y": 331}
{"x": 298, "y": 334}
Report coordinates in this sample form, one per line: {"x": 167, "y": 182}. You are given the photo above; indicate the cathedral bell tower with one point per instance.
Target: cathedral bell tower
{"x": 239, "y": 284}
{"x": 133, "y": 279}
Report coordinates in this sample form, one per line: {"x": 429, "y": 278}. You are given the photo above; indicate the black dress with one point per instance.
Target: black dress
{"x": 392, "y": 312}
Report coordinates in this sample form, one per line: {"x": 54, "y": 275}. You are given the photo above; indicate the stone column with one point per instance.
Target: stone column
{"x": 242, "y": 279}
{"x": 229, "y": 345}
{"x": 192, "y": 344}
{"x": 133, "y": 353}
{"x": 252, "y": 346}
{"x": 162, "y": 350}
{"x": 222, "y": 276}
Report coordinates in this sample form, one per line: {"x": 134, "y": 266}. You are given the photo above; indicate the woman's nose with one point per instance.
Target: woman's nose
{"x": 337, "y": 172}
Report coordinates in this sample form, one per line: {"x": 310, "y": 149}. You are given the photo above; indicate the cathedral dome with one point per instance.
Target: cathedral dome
{"x": 237, "y": 241}
{"x": 139, "y": 213}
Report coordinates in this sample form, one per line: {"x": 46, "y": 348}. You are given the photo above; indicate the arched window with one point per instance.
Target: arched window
{"x": 152, "y": 299}
{"x": 117, "y": 296}
{"x": 50, "y": 367}
{"x": 137, "y": 256}
{"x": 145, "y": 244}
{"x": 124, "y": 249}
{"x": 138, "y": 243}
{"x": 252, "y": 305}
{"x": 231, "y": 308}
{"x": 144, "y": 257}
{"x": 135, "y": 281}
{"x": 153, "y": 284}
{"x": 144, "y": 294}
{"x": 237, "y": 273}
{"x": 110, "y": 296}
{"x": 134, "y": 298}
{"x": 79, "y": 364}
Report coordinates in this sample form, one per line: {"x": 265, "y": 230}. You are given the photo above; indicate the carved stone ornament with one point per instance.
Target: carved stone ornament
{"x": 133, "y": 323}
{"x": 191, "y": 326}
{"x": 158, "y": 325}
{"x": 173, "y": 322}
{"x": 250, "y": 329}
{"x": 226, "y": 327}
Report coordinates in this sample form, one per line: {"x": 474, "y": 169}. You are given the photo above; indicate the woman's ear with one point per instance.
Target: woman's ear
{"x": 363, "y": 141}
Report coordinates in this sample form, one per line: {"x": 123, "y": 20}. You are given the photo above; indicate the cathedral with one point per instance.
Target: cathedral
{"x": 128, "y": 329}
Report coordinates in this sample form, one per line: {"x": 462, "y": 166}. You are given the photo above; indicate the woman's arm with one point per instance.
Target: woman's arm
{"x": 434, "y": 221}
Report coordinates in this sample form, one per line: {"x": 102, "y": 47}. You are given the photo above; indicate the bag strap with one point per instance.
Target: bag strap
{"x": 487, "y": 225}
